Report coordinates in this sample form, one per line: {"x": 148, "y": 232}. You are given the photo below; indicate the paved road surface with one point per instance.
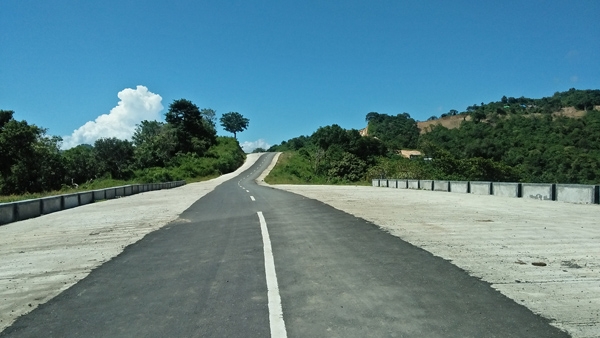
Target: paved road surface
{"x": 205, "y": 275}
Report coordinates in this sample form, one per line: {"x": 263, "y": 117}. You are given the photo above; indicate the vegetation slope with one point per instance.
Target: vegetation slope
{"x": 185, "y": 147}
{"x": 513, "y": 139}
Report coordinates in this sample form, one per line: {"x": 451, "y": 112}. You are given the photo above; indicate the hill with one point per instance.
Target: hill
{"x": 454, "y": 121}
{"x": 552, "y": 139}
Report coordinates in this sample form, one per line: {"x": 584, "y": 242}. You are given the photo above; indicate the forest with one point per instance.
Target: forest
{"x": 513, "y": 139}
{"x": 185, "y": 146}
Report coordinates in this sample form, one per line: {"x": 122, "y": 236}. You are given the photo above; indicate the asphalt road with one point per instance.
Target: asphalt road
{"x": 204, "y": 275}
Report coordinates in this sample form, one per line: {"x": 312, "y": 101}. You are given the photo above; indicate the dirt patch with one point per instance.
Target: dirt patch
{"x": 450, "y": 122}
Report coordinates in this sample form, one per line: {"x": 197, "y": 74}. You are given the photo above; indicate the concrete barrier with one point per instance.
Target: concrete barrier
{"x": 375, "y": 183}
{"x": 569, "y": 193}
{"x": 412, "y": 184}
{"x": 51, "y": 204}
{"x": 426, "y": 184}
{"x": 402, "y": 184}
{"x": 21, "y": 210}
{"x": 86, "y": 197}
{"x": 577, "y": 193}
{"x": 99, "y": 194}
{"x": 8, "y": 214}
{"x": 504, "y": 189}
{"x": 70, "y": 201}
{"x": 28, "y": 209}
{"x": 539, "y": 191}
{"x": 127, "y": 190}
{"x": 459, "y": 186}
{"x": 109, "y": 193}
{"x": 119, "y": 191}
{"x": 441, "y": 186}
{"x": 481, "y": 188}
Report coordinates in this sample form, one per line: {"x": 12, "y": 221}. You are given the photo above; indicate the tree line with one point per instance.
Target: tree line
{"x": 185, "y": 146}
{"x": 513, "y": 139}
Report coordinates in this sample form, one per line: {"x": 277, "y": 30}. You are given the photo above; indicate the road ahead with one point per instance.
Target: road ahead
{"x": 206, "y": 275}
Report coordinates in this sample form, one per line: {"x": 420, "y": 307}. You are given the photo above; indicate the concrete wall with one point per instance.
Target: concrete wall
{"x": 538, "y": 191}
{"x": 577, "y": 193}
{"x": 459, "y": 186}
{"x": 21, "y": 210}
{"x": 127, "y": 190}
{"x": 481, "y": 188}
{"x": 8, "y": 213}
{"x": 374, "y": 183}
{"x": 51, "y": 204}
{"x": 109, "y": 193}
{"x": 503, "y": 189}
{"x": 441, "y": 185}
{"x": 426, "y": 184}
{"x": 99, "y": 194}
{"x": 86, "y": 197}
{"x": 28, "y": 209}
{"x": 412, "y": 184}
{"x": 119, "y": 191}
{"x": 70, "y": 201}
{"x": 570, "y": 193}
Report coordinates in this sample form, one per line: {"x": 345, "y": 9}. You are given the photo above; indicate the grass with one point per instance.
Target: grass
{"x": 292, "y": 168}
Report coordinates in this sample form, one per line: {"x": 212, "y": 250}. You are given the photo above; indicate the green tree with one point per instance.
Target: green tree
{"x": 155, "y": 144}
{"x": 30, "y": 161}
{"x": 114, "y": 157}
{"x": 396, "y": 132}
{"x": 234, "y": 122}
{"x": 193, "y": 133}
{"x": 210, "y": 116}
{"x": 80, "y": 164}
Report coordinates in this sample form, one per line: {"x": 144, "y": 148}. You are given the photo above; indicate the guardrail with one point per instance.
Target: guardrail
{"x": 570, "y": 193}
{"x": 22, "y": 210}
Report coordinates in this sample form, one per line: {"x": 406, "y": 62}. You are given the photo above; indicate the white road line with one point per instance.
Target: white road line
{"x": 252, "y": 198}
{"x": 247, "y": 190}
{"x": 275, "y": 313}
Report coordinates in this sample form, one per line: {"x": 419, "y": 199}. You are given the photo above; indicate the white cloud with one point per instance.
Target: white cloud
{"x": 135, "y": 105}
{"x": 249, "y": 147}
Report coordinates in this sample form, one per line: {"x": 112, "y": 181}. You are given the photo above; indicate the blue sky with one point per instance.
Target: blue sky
{"x": 288, "y": 66}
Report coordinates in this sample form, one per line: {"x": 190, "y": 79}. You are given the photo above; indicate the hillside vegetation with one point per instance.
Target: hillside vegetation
{"x": 185, "y": 147}
{"x": 513, "y": 139}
